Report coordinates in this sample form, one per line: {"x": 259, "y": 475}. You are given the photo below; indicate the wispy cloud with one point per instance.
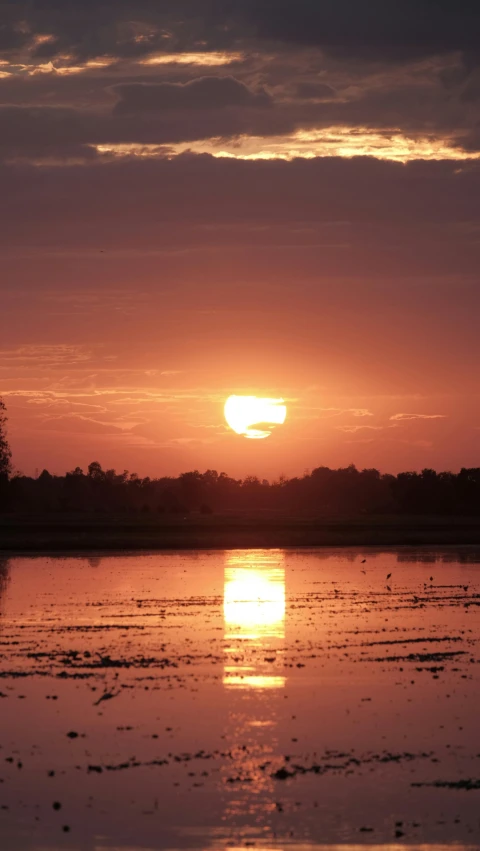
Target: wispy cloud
{"x": 57, "y": 68}
{"x": 326, "y": 413}
{"x": 336, "y": 141}
{"x": 205, "y": 59}
{"x": 404, "y": 417}
{"x": 121, "y": 423}
{"x": 44, "y": 355}
{"x": 359, "y": 412}
{"x": 354, "y": 428}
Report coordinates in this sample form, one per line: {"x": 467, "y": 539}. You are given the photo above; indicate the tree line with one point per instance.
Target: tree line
{"x": 345, "y": 491}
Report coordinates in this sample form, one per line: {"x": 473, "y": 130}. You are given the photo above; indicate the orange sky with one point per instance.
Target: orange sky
{"x": 138, "y": 381}
{"x": 193, "y": 207}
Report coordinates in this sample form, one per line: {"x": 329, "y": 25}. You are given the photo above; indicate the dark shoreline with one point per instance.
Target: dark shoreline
{"x": 47, "y": 534}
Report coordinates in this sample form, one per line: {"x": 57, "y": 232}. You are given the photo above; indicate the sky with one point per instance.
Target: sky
{"x": 201, "y": 198}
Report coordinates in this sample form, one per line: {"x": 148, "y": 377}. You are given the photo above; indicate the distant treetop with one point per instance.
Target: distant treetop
{"x": 5, "y": 451}
{"x": 346, "y": 491}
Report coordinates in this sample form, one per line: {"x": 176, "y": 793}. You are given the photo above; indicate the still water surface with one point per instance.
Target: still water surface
{"x": 249, "y": 698}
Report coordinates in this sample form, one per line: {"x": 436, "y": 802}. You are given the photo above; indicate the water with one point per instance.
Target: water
{"x": 272, "y": 699}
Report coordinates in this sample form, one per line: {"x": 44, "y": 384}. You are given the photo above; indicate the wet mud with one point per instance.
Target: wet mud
{"x": 245, "y": 698}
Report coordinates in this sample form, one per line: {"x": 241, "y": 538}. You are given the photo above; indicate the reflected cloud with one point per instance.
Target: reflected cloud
{"x": 254, "y": 619}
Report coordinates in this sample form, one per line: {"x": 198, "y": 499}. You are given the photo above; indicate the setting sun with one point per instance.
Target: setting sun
{"x": 244, "y": 412}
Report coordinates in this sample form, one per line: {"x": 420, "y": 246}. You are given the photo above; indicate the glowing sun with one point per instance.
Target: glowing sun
{"x": 244, "y": 412}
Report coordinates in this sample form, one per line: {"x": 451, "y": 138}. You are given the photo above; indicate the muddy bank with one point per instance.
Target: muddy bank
{"x": 249, "y": 698}
{"x": 82, "y": 532}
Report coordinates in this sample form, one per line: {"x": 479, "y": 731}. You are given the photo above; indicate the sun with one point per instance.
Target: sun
{"x": 244, "y": 412}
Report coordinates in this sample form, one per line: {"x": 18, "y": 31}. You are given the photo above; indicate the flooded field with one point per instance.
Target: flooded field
{"x": 250, "y": 698}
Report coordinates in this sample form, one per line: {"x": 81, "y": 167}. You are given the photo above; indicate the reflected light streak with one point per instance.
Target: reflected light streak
{"x": 254, "y": 617}
{"x": 249, "y": 681}
{"x": 394, "y": 846}
{"x": 254, "y": 602}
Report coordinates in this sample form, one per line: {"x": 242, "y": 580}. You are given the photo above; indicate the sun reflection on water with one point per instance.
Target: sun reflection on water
{"x": 254, "y": 617}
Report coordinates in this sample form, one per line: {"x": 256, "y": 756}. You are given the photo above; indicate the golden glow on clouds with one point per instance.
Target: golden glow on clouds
{"x": 204, "y": 59}
{"x": 338, "y": 142}
{"x": 244, "y": 412}
{"x": 43, "y": 38}
{"x": 79, "y": 69}
{"x": 63, "y": 70}
{"x": 332, "y": 142}
{"x": 131, "y": 149}
{"x": 62, "y": 67}
{"x": 404, "y": 417}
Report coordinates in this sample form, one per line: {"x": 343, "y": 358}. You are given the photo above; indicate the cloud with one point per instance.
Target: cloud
{"x": 370, "y": 29}
{"x": 404, "y": 417}
{"x": 164, "y": 116}
{"x": 133, "y": 28}
{"x": 44, "y": 355}
{"x": 201, "y": 93}
{"x": 207, "y": 59}
{"x": 78, "y": 424}
{"x": 318, "y": 108}
{"x": 340, "y": 141}
{"x": 357, "y": 192}
{"x": 262, "y": 179}
{"x": 360, "y": 412}
{"x": 355, "y": 428}
{"x": 314, "y": 91}
{"x": 231, "y": 222}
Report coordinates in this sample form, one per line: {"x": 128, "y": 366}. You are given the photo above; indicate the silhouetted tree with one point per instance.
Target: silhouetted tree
{"x": 325, "y": 492}
{"x": 95, "y": 471}
{"x": 5, "y": 452}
